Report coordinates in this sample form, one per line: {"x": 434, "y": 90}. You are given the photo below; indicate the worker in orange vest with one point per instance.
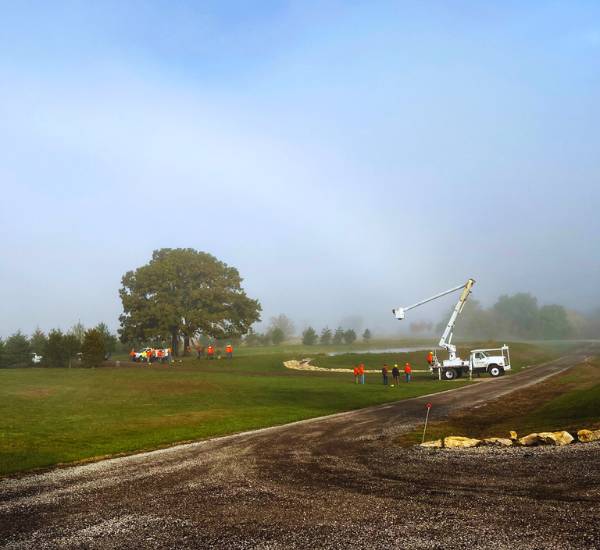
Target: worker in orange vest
{"x": 361, "y": 371}
{"x": 160, "y": 354}
{"x": 407, "y": 372}
{"x": 356, "y": 375}
{"x": 210, "y": 352}
{"x": 229, "y": 351}
{"x": 132, "y": 355}
{"x": 430, "y": 358}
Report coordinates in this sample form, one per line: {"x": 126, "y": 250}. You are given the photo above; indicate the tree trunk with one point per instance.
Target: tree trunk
{"x": 186, "y": 344}
{"x": 175, "y": 343}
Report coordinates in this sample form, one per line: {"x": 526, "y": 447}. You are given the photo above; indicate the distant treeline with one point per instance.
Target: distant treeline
{"x": 76, "y": 347}
{"x": 519, "y": 316}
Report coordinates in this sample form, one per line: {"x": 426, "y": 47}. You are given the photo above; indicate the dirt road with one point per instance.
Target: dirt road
{"x": 336, "y": 482}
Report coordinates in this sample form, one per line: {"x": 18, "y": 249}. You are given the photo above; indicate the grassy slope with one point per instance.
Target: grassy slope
{"x": 569, "y": 401}
{"x": 50, "y": 416}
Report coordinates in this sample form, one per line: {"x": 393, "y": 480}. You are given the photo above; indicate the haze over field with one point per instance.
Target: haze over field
{"x": 346, "y": 157}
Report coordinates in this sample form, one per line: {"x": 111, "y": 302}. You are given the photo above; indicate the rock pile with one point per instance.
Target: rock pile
{"x": 557, "y": 439}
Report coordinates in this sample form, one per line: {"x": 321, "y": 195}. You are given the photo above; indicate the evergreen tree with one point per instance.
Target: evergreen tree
{"x": 93, "y": 349}
{"x": 17, "y": 351}
{"x": 309, "y": 337}
{"x": 338, "y": 337}
{"x": 326, "y": 336}
{"x": 367, "y": 335}
{"x": 110, "y": 340}
{"x": 54, "y": 353}
{"x": 349, "y": 336}
{"x": 38, "y": 342}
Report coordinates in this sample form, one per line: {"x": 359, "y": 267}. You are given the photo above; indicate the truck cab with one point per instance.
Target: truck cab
{"x": 494, "y": 361}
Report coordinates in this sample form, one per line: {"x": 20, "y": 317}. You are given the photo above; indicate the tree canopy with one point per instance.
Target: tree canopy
{"x": 309, "y": 337}
{"x": 93, "y": 350}
{"x": 284, "y": 324}
{"x": 181, "y": 293}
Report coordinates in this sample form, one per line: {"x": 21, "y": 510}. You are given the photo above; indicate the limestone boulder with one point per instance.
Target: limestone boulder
{"x": 585, "y": 436}
{"x": 456, "y": 442}
{"x": 557, "y": 438}
{"x": 437, "y": 443}
{"x": 529, "y": 440}
{"x": 547, "y": 438}
{"x": 496, "y": 442}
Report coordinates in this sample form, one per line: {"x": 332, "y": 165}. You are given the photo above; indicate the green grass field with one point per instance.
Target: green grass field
{"x": 52, "y": 416}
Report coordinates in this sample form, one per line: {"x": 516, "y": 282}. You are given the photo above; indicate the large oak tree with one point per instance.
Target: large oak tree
{"x": 181, "y": 293}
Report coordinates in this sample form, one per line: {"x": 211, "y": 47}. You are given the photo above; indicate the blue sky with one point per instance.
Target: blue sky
{"x": 347, "y": 157}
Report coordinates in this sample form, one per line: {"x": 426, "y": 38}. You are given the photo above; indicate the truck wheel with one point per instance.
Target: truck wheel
{"x": 495, "y": 370}
{"x": 449, "y": 374}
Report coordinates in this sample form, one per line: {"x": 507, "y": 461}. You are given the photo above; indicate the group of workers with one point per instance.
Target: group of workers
{"x": 152, "y": 355}
{"x": 396, "y": 373}
{"x": 210, "y": 352}
{"x": 359, "y": 373}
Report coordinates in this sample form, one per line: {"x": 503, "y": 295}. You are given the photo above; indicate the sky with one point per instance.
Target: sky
{"x": 347, "y": 157}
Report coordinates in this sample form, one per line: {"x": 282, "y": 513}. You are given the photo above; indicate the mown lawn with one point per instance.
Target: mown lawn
{"x": 52, "y": 416}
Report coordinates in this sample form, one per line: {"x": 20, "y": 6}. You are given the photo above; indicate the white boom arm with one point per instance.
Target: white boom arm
{"x": 446, "y": 339}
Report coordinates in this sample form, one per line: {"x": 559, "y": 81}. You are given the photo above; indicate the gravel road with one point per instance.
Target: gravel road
{"x": 334, "y": 482}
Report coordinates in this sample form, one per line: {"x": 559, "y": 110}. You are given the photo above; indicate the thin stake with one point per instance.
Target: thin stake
{"x": 426, "y": 419}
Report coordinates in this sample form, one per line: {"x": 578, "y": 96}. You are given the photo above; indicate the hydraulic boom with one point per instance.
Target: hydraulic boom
{"x": 446, "y": 339}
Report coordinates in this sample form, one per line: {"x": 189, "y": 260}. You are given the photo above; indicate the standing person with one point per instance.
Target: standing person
{"x": 430, "y": 358}
{"x": 396, "y": 374}
{"x": 384, "y": 373}
{"x": 361, "y": 371}
{"x": 210, "y": 351}
{"x": 407, "y": 372}
{"x": 356, "y": 375}
{"x": 229, "y": 351}
{"x": 132, "y": 355}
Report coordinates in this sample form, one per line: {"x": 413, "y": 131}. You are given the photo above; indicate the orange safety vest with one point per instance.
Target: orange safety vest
{"x": 407, "y": 369}
{"x": 229, "y": 349}
{"x": 430, "y": 357}
{"x": 210, "y": 350}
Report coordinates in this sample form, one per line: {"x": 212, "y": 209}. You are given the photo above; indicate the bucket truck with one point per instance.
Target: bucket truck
{"x": 493, "y": 361}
